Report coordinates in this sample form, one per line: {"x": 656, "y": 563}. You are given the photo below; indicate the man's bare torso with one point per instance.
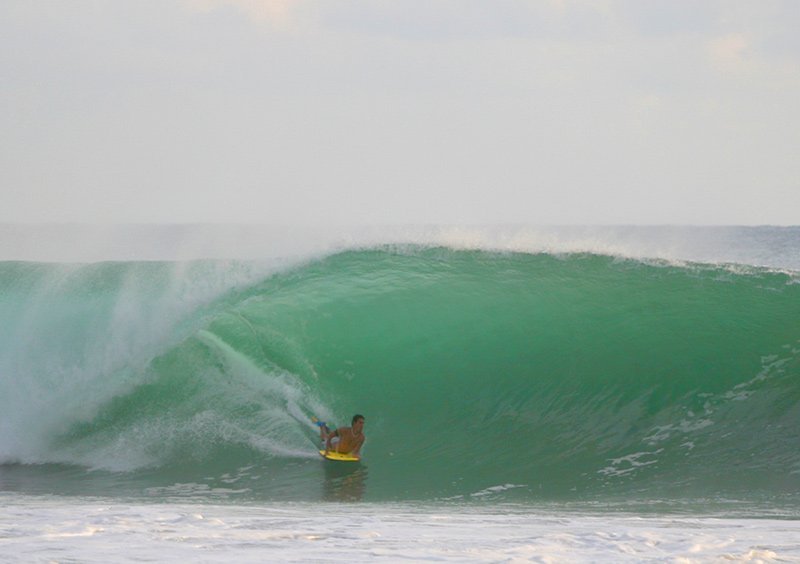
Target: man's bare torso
{"x": 348, "y": 442}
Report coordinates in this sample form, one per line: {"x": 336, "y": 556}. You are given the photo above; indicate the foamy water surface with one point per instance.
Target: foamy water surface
{"x": 85, "y": 530}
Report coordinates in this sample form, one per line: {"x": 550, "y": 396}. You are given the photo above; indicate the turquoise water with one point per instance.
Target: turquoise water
{"x": 512, "y": 376}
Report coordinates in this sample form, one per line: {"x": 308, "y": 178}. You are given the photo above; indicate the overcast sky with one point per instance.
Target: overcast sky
{"x": 409, "y": 111}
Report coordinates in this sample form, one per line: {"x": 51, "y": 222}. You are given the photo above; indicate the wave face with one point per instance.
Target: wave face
{"x": 534, "y": 376}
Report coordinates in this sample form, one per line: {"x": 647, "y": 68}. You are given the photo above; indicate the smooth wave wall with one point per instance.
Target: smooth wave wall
{"x": 543, "y": 375}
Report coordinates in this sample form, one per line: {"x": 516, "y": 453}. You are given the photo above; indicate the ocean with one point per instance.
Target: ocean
{"x": 530, "y": 394}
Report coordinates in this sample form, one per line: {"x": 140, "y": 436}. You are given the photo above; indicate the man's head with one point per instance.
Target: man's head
{"x": 357, "y": 423}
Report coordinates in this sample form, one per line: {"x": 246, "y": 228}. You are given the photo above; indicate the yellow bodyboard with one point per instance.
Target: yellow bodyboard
{"x": 339, "y": 457}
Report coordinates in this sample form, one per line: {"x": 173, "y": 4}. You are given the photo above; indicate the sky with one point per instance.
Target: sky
{"x": 335, "y": 112}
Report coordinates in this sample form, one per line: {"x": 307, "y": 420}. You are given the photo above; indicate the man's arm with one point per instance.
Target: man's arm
{"x": 328, "y": 440}
{"x": 357, "y": 451}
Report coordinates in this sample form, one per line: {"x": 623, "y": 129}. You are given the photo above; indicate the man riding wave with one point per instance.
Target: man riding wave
{"x": 344, "y": 440}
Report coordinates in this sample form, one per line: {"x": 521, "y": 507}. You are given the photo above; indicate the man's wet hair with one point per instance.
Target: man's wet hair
{"x": 356, "y": 417}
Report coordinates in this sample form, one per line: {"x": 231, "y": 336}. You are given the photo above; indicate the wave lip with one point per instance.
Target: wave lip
{"x": 767, "y": 246}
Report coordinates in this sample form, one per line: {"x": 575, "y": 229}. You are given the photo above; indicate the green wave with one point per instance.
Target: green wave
{"x": 534, "y": 375}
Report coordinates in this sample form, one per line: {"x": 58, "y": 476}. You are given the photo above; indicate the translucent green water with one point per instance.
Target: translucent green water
{"x": 527, "y": 376}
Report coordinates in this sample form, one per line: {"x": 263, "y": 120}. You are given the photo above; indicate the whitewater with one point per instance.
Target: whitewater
{"x": 546, "y": 394}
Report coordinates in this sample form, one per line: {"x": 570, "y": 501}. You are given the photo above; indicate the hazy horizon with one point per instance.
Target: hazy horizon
{"x": 303, "y": 112}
